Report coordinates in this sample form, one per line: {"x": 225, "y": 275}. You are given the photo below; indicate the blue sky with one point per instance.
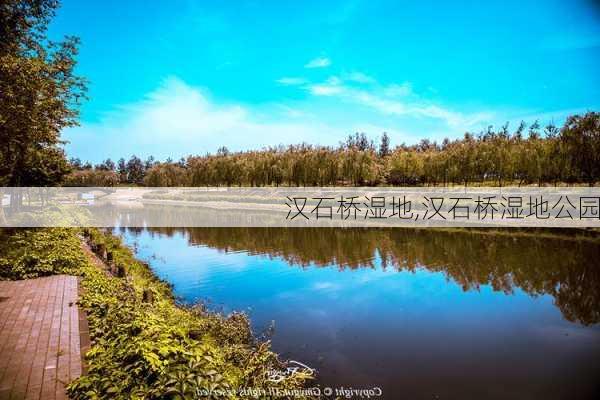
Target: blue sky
{"x": 185, "y": 77}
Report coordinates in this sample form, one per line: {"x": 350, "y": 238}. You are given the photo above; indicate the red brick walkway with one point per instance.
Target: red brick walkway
{"x": 40, "y": 342}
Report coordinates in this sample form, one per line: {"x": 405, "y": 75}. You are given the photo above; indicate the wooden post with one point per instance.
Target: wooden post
{"x": 195, "y": 334}
{"x": 147, "y": 296}
{"x": 101, "y": 251}
{"x": 120, "y": 271}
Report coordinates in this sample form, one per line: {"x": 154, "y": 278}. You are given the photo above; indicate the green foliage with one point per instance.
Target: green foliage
{"x": 581, "y": 140}
{"x": 143, "y": 347}
{"x": 39, "y": 94}
{"x": 165, "y": 175}
{"x": 154, "y": 349}
{"x": 52, "y": 215}
{"x": 31, "y": 253}
{"x": 92, "y": 177}
{"x": 492, "y": 157}
{"x": 135, "y": 170}
{"x": 498, "y": 158}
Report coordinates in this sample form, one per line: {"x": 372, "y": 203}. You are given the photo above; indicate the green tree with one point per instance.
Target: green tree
{"x": 581, "y": 137}
{"x": 384, "y": 146}
{"x": 39, "y": 94}
{"x": 135, "y": 170}
{"x": 122, "y": 170}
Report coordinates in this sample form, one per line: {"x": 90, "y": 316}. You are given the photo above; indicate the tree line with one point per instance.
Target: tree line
{"x": 527, "y": 155}
{"x": 40, "y": 95}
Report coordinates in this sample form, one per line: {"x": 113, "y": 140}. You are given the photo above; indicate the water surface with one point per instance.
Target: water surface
{"x": 423, "y": 314}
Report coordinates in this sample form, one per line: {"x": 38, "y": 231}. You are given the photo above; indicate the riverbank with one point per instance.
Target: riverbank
{"x": 143, "y": 344}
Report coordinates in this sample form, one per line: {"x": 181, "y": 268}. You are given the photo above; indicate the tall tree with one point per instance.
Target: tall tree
{"x": 384, "y": 146}
{"x": 135, "y": 170}
{"x": 122, "y": 170}
{"x": 149, "y": 163}
{"x": 39, "y": 94}
{"x": 581, "y": 136}
{"x": 106, "y": 165}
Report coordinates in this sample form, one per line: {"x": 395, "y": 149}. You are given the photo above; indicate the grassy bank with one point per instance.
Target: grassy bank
{"x": 143, "y": 344}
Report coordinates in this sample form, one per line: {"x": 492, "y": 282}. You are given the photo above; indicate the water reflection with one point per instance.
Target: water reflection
{"x": 567, "y": 270}
{"x": 420, "y": 313}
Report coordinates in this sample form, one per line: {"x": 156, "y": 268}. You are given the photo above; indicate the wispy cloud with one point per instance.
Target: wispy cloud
{"x": 291, "y": 81}
{"x": 358, "y": 77}
{"x": 332, "y": 86}
{"x": 398, "y": 90}
{"x": 393, "y": 99}
{"x": 325, "y": 89}
{"x": 419, "y": 109}
{"x": 319, "y": 62}
{"x": 178, "y": 119}
{"x": 292, "y": 112}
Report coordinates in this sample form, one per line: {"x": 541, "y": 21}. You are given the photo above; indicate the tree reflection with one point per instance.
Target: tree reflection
{"x": 567, "y": 270}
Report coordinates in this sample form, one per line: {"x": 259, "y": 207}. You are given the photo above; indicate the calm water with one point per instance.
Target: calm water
{"x": 420, "y": 313}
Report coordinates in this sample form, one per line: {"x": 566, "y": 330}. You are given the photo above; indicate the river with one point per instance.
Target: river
{"x": 421, "y": 314}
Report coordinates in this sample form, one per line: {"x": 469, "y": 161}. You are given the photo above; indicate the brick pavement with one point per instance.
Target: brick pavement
{"x": 42, "y": 337}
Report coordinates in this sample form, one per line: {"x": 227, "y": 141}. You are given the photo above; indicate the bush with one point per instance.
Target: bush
{"x": 148, "y": 347}
{"x": 89, "y": 177}
{"x": 31, "y": 253}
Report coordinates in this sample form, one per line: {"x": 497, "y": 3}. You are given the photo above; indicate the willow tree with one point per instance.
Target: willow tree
{"x": 39, "y": 94}
{"x": 581, "y": 137}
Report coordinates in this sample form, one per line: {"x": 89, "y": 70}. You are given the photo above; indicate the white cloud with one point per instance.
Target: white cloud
{"x": 294, "y": 112}
{"x": 420, "y": 109}
{"x": 395, "y": 99}
{"x": 393, "y": 90}
{"x": 331, "y": 86}
{"x": 334, "y": 81}
{"x": 178, "y": 120}
{"x": 291, "y": 81}
{"x": 325, "y": 89}
{"x": 358, "y": 77}
{"x": 319, "y": 62}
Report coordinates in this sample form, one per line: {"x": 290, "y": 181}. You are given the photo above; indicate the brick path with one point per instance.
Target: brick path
{"x": 40, "y": 337}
